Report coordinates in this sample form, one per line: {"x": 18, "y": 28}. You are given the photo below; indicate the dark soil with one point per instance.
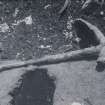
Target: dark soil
{"x": 37, "y": 88}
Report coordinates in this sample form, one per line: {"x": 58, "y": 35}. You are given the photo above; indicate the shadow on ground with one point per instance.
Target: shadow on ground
{"x": 37, "y": 88}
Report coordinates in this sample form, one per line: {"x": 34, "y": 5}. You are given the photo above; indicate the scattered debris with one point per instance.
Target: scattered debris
{"x": 65, "y": 6}
{"x": 28, "y": 20}
{"x": 4, "y": 27}
{"x": 44, "y": 47}
{"x": 68, "y": 34}
{"x": 102, "y": 13}
{"x": 76, "y": 103}
{"x": 16, "y": 12}
{"x": 47, "y": 6}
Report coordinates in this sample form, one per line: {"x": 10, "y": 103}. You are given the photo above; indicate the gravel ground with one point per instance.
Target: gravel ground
{"x": 75, "y": 82}
{"x": 32, "y": 29}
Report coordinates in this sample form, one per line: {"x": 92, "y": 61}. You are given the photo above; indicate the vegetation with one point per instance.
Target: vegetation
{"x": 34, "y": 28}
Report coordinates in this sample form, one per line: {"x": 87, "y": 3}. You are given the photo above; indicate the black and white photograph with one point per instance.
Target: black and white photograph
{"x": 52, "y": 52}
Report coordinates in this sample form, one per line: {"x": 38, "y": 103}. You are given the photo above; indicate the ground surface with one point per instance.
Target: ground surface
{"x": 33, "y": 29}
{"x": 74, "y": 82}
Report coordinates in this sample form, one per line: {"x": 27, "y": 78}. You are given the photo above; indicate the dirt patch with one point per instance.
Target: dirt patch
{"x": 36, "y": 88}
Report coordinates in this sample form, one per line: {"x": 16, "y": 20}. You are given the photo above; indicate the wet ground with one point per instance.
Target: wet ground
{"x": 37, "y": 88}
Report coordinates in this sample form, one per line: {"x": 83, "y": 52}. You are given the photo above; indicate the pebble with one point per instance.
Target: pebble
{"x": 76, "y": 103}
